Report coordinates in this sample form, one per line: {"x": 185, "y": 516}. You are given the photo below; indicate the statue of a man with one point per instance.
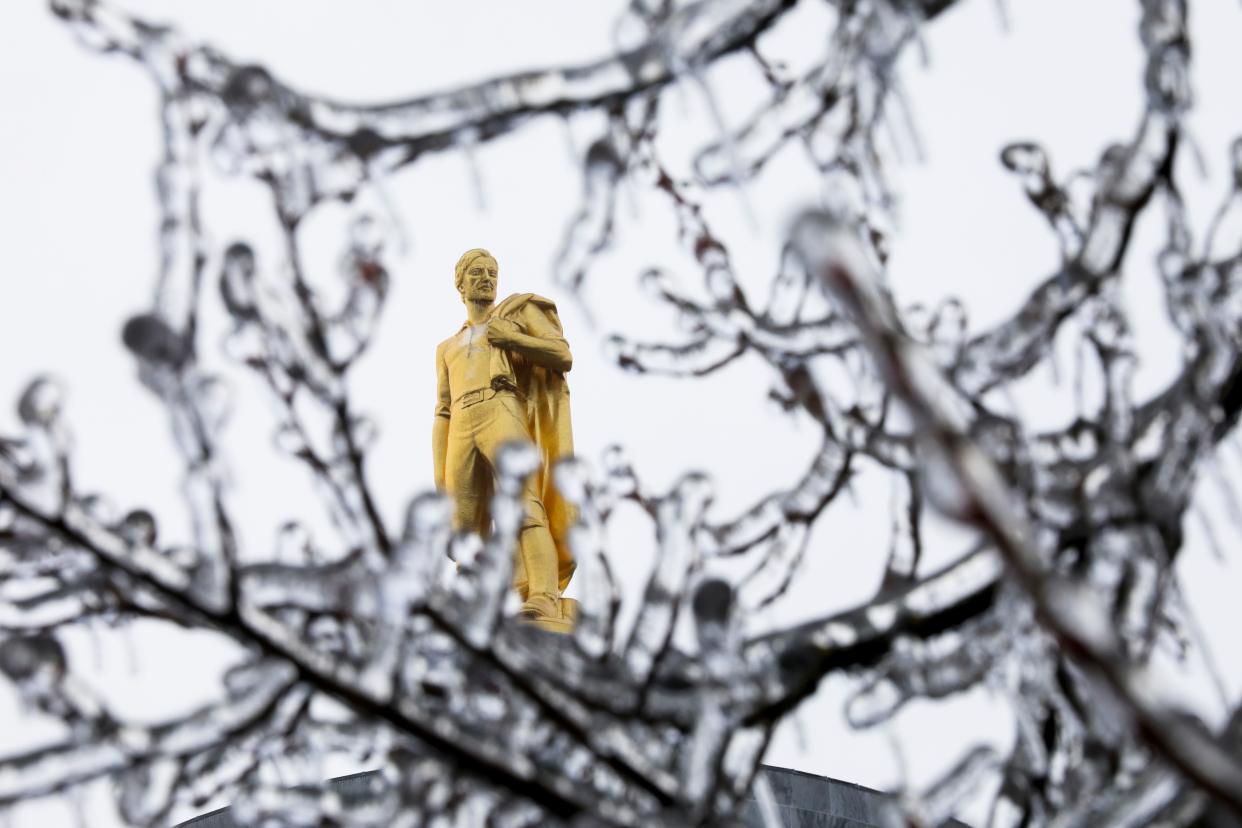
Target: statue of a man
{"x": 501, "y": 378}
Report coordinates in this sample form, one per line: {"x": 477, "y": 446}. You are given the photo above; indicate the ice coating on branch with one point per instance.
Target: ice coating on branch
{"x": 36, "y": 664}
{"x": 1029, "y": 161}
{"x": 393, "y": 646}
{"x": 600, "y": 596}
{"x": 41, "y": 403}
{"x": 677, "y": 516}
{"x": 589, "y": 233}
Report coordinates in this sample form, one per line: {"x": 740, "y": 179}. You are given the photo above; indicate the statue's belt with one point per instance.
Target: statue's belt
{"x": 480, "y": 394}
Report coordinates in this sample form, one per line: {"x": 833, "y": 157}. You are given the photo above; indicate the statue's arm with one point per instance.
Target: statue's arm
{"x": 541, "y": 343}
{"x": 440, "y": 425}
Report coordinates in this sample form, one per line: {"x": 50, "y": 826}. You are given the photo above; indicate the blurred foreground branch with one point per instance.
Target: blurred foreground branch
{"x": 375, "y": 647}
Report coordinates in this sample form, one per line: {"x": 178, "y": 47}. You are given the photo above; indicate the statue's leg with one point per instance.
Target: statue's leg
{"x": 465, "y": 468}
{"x": 540, "y": 587}
{"x": 539, "y": 560}
{"x": 520, "y": 583}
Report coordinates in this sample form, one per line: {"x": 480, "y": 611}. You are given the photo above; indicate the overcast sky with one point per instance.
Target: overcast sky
{"x": 79, "y": 139}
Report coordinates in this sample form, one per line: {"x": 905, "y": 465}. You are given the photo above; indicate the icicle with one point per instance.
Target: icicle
{"x": 600, "y": 598}
{"x": 677, "y": 516}
{"x": 469, "y": 147}
{"x": 727, "y": 140}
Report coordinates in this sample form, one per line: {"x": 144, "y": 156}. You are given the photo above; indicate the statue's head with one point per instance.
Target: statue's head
{"x": 475, "y": 276}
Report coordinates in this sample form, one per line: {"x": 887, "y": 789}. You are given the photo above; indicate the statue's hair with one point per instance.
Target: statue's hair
{"x": 466, "y": 260}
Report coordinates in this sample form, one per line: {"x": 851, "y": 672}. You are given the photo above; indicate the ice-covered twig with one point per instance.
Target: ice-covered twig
{"x": 975, "y": 492}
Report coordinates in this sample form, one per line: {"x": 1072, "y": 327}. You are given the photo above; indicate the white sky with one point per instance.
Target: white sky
{"x": 79, "y": 139}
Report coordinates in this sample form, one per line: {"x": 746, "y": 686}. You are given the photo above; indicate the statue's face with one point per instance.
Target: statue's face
{"x": 480, "y": 282}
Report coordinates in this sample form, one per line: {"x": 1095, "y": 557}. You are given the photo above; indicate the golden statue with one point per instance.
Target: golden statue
{"x": 501, "y": 378}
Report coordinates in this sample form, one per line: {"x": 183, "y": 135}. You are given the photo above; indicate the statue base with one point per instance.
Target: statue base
{"x": 564, "y": 624}
{"x": 556, "y": 625}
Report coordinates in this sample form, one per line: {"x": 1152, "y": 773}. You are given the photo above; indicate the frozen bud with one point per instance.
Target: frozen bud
{"x": 135, "y": 787}
{"x": 98, "y": 507}
{"x": 1168, "y": 78}
{"x": 873, "y": 704}
{"x": 620, "y": 350}
{"x": 41, "y": 403}
{"x": 1111, "y": 163}
{"x": 721, "y": 284}
{"x": 918, "y": 320}
{"x": 465, "y": 548}
{"x": 23, "y": 658}
{"x": 709, "y": 251}
{"x": 573, "y": 479}
{"x": 365, "y": 142}
{"x": 943, "y": 488}
{"x": 517, "y": 461}
{"x": 245, "y": 677}
{"x": 631, "y": 32}
{"x": 938, "y": 803}
{"x": 655, "y": 283}
{"x": 237, "y": 281}
{"x": 366, "y": 235}
{"x": 290, "y": 440}
{"x": 693, "y": 493}
{"x": 293, "y": 543}
{"x": 1172, "y": 263}
{"x": 836, "y": 256}
{"x": 713, "y": 602}
{"x": 362, "y": 434}
{"x": 365, "y": 268}
{"x": 602, "y": 159}
{"x": 248, "y": 88}
{"x": 73, "y": 9}
{"x": 618, "y": 471}
{"x": 427, "y": 515}
{"x": 138, "y": 528}
{"x": 214, "y": 400}
{"x": 326, "y": 634}
{"x": 1163, "y": 21}
{"x": 366, "y": 432}
{"x": 1025, "y": 158}
{"x": 1235, "y": 160}
{"x": 186, "y": 558}
{"x": 949, "y": 323}
{"x": 149, "y": 337}
{"x": 880, "y": 242}
{"x": 690, "y": 321}
{"x": 239, "y": 263}
{"x": 18, "y": 455}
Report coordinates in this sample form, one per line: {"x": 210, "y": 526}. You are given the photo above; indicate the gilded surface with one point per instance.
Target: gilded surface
{"x": 501, "y": 378}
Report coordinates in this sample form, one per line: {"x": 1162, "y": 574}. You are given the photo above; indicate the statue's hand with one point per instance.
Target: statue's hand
{"x": 501, "y": 332}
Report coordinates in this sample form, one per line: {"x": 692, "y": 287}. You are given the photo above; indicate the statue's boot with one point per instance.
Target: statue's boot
{"x": 544, "y": 605}
{"x": 541, "y": 607}
{"x": 548, "y": 612}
